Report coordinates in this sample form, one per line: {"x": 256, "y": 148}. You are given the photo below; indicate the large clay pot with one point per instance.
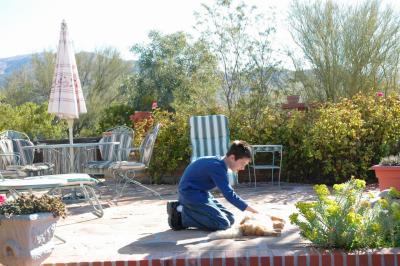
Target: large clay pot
{"x": 25, "y": 240}
{"x": 388, "y": 176}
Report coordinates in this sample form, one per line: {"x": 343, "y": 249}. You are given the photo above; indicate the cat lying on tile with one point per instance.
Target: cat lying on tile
{"x": 252, "y": 225}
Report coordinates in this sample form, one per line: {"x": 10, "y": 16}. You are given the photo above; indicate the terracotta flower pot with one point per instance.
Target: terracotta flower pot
{"x": 388, "y": 176}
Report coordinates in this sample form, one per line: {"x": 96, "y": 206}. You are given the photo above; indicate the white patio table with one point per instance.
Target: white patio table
{"x": 59, "y": 155}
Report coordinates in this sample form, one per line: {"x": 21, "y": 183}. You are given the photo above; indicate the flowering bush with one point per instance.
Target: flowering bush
{"x": 3, "y": 199}
{"x": 347, "y": 219}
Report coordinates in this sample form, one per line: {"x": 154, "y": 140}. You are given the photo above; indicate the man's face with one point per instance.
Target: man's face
{"x": 238, "y": 165}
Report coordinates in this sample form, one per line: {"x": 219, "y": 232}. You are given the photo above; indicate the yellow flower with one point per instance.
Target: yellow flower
{"x": 309, "y": 215}
{"x": 375, "y": 227}
{"x": 360, "y": 184}
{"x": 351, "y": 217}
{"x": 332, "y": 209}
{"x": 384, "y": 203}
{"x": 339, "y": 188}
{"x": 321, "y": 190}
{"x": 313, "y": 235}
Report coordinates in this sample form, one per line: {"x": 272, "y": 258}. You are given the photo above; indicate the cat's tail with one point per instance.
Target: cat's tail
{"x": 233, "y": 232}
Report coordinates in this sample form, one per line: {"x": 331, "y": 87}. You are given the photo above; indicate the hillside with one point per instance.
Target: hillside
{"x": 10, "y": 64}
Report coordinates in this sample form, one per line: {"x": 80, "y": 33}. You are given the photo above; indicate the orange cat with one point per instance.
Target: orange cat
{"x": 253, "y": 225}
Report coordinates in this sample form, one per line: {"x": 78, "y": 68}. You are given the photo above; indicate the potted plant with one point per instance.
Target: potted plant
{"x": 388, "y": 172}
{"x": 27, "y": 226}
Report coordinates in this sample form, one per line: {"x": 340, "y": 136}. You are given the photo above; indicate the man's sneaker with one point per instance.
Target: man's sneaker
{"x": 174, "y": 217}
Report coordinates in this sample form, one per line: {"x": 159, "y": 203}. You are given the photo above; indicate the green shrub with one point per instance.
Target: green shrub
{"x": 333, "y": 141}
{"x": 33, "y": 120}
{"x": 115, "y": 115}
{"x": 172, "y": 150}
{"x": 347, "y": 220}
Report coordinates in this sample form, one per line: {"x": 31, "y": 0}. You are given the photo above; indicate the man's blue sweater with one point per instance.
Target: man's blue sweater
{"x": 203, "y": 175}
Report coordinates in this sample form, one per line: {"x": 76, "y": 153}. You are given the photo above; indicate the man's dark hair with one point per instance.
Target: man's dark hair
{"x": 239, "y": 148}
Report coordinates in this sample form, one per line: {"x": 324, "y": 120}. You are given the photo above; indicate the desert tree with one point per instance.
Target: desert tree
{"x": 239, "y": 35}
{"x": 347, "y": 49}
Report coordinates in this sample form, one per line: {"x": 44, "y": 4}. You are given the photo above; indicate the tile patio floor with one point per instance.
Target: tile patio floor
{"x": 135, "y": 228}
{"x": 135, "y": 225}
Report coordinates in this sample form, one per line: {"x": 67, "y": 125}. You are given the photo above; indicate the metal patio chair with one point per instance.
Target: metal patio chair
{"x": 111, "y": 153}
{"x": 15, "y": 160}
{"x": 125, "y": 171}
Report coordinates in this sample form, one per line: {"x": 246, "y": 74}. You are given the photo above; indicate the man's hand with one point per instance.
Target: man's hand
{"x": 250, "y": 209}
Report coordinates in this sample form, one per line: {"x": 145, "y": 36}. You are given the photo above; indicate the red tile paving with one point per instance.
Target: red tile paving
{"x": 134, "y": 231}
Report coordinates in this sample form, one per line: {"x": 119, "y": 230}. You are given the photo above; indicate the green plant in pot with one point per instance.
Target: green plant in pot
{"x": 388, "y": 172}
{"x": 27, "y": 226}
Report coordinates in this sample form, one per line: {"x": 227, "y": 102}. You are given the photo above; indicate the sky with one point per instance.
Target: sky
{"x": 30, "y": 26}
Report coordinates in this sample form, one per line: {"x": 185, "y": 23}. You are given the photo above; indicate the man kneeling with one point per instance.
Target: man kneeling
{"x": 196, "y": 206}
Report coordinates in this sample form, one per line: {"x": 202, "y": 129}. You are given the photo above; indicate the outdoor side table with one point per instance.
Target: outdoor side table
{"x": 275, "y": 152}
{"x": 125, "y": 172}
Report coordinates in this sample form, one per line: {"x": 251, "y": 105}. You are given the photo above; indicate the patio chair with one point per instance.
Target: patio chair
{"x": 15, "y": 161}
{"x": 111, "y": 153}
{"x": 12, "y": 134}
{"x": 209, "y": 136}
{"x": 125, "y": 171}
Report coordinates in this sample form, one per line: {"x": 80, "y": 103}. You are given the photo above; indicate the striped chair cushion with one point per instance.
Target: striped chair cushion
{"x": 116, "y": 152}
{"x": 99, "y": 164}
{"x": 7, "y": 155}
{"x": 26, "y": 156}
{"x": 209, "y": 136}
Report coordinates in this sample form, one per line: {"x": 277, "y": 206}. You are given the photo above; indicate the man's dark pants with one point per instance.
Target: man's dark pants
{"x": 210, "y": 216}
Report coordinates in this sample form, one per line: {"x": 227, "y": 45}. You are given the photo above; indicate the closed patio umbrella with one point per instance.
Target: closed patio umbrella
{"x": 66, "y": 97}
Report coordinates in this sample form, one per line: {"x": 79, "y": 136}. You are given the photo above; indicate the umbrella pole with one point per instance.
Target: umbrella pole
{"x": 71, "y": 141}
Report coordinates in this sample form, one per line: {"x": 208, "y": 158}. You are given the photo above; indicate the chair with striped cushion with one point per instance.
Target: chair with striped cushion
{"x": 209, "y": 136}
{"x": 17, "y": 161}
{"x": 12, "y": 134}
{"x": 111, "y": 153}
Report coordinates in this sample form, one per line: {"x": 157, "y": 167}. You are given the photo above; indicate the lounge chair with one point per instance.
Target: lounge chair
{"x": 53, "y": 184}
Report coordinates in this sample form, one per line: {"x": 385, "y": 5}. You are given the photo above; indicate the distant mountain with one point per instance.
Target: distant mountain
{"x": 10, "y": 64}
